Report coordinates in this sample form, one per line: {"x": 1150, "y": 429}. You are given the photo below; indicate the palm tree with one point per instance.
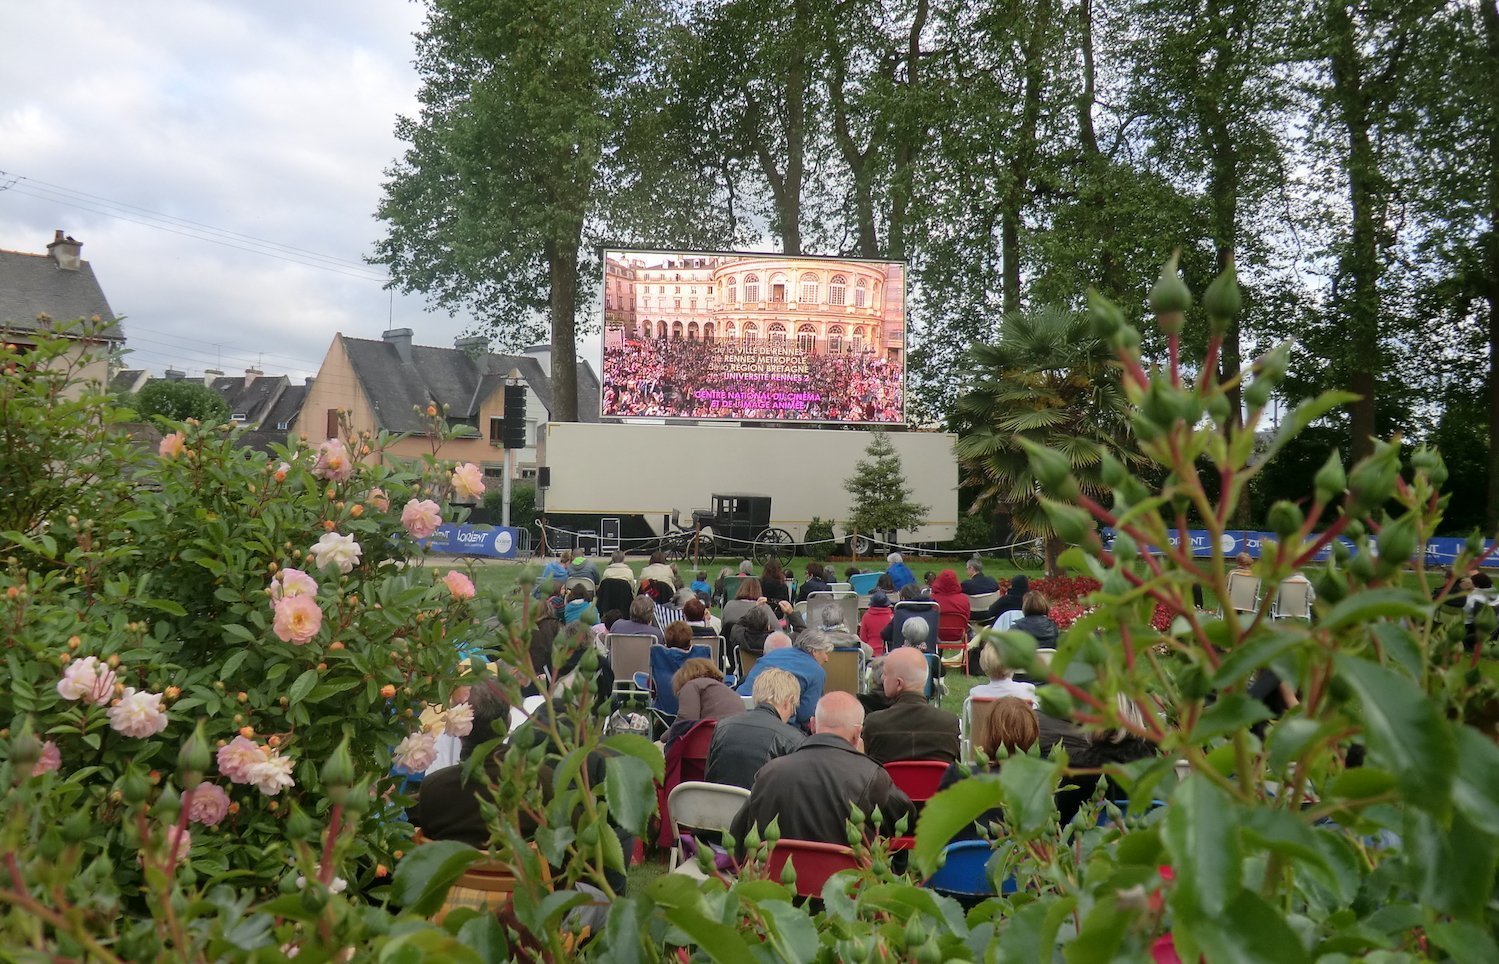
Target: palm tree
{"x": 1047, "y": 379}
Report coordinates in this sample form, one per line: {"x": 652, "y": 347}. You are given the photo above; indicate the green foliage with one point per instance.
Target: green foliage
{"x": 879, "y": 499}
{"x": 820, "y": 540}
{"x": 178, "y": 401}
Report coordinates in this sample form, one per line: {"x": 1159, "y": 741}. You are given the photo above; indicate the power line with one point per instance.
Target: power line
{"x": 182, "y": 227}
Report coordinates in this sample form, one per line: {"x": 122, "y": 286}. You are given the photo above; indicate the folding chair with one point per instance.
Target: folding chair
{"x": 978, "y": 605}
{"x": 1007, "y": 619}
{"x": 964, "y": 874}
{"x": 837, "y": 587}
{"x": 747, "y": 662}
{"x": 583, "y": 581}
{"x": 628, "y": 655}
{"x": 813, "y": 861}
{"x": 686, "y": 761}
{"x": 695, "y": 806}
{"x": 1293, "y": 600}
{"x": 847, "y": 600}
{"x": 864, "y": 582}
{"x": 952, "y": 640}
{"x": 665, "y": 661}
{"x": 917, "y": 779}
{"x": 915, "y": 609}
{"x": 975, "y": 712}
{"x": 935, "y": 687}
{"x": 843, "y": 670}
{"x": 1243, "y": 592}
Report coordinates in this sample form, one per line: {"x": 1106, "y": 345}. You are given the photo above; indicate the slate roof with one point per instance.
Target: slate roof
{"x": 285, "y": 409}
{"x": 125, "y": 379}
{"x": 449, "y": 376}
{"x": 32, "y": 284}
{"x": 252, "y": 401}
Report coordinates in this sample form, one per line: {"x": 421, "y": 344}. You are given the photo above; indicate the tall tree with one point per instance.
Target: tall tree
{"x": 523, "y": 108}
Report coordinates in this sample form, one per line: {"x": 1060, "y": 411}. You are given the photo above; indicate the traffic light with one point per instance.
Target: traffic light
{"x": 513, "y": 431}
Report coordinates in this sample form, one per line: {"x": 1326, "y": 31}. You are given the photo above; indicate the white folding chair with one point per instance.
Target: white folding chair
{"x": 1243, "y": 592}
{"x": 1293, "y": 600}
{"x": 628, "y": 655}
{"x": 841, "y": 587}
{"x": 583, "y": 581}
{"x": 698, "y": 805}
{"x": 982, "y": 602}
{"x": 1007, "y": 619}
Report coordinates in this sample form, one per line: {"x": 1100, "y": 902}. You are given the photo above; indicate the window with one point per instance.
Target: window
{"x": 778, "y": 289}
{"x": 496, "y": 430}
{"x": 692, "y": 290}
{"x": 692, "y": 331}
{"x": 836, "y": 289}
{"x": 676, "y": 304}
{"x": 806, "y": 338}
{"x": 861, "y": 294}
{"x": 676, "y": 330}
{"x": 751, "y": 287}
{"x": 661, "y": 290}
{"x": 693, "y": 306}
{"x": 835, "y": 338}
{"x": 778, "y": 334}
{"x": 858, "y": 339}
{"x": 733, "y": 291}
{"x": 751, "y": 332}
{"x": 332, "y": 423}
{"x": 729, "y": 331}
{"x": 809, "y": 289}
{"x": 678, "y": 290}
{"x": 707, "y": 331}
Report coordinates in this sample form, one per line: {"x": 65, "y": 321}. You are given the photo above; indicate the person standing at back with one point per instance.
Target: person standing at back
{"x": 900, "y": 574}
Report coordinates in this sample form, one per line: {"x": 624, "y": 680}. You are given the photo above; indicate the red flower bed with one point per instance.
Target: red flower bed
{"x": 1067, "y": 593}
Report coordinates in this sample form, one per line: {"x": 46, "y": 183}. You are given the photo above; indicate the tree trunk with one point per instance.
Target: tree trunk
{"x": 562, "y": 265}
{"x": 1023, "y": 158}
{"x": 1488, "y": 12}
{"x": 910, "y": 135}
{"x": 1094, "y": 196}
{"x": 868, "y": 244}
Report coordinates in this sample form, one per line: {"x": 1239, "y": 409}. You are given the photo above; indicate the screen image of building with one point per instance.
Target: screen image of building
{"x": 820, "y": 305}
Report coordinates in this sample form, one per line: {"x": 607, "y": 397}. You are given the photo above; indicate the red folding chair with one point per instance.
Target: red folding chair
{"x": 686, "y": 759}
{"x": 813, "y": 861}
{"x": 952, "y": 639}
{"x": 917, "y": 779}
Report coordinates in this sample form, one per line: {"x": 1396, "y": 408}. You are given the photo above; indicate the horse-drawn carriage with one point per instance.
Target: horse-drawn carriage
{"x": 737, "y": 525}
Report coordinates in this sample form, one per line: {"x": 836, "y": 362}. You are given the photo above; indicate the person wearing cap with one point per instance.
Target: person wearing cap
{"x": 876, "y": 618}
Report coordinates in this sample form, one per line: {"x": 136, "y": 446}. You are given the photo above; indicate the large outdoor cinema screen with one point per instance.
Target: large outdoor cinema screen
{"x": 758, "y": 337}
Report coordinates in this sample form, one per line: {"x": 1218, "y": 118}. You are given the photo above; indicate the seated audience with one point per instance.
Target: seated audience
{"x": 677, "y": 635}
{"x": 619, "y": 569}
{"x": 752, "y": 630}
{"x": 553, "y": 572}
{"x": 1009, "y": 728}
{"x": 700, "y": 587}
{"x": 701, "y": 693}
{"x": 1010, "y": 602}
{"x": 874, "y": 621}
{"x": 816, "y": 582}
{"x": 743, "y": 744}
{"x": 978, "y": 582}
{"x": 949, "y": 596}
{"x": 1002, "y": 683}
{"x": 900, "y": 574}
{"x": 773, "y": 583}
{"x": 640, "y": 622}
{"x": 913, "y": 632}
{"x": 850, "y": 573}
{"x": 583, "y": 567}
{"x": 447, "y": 806}
{"x": 748, "y": 597}
{"x": 579, "y": 607}
{"x": 1105, "y": 748}
{"x": 657, "y": 569}
{"x": 830, "y": 620}
{"x": 1037, "y": 620}
{"x": 746, "y": 568}
{"x": 803, "y": 659}
{"x": 809, "y": 791}
{"x": 669, "y": 609}
{"x": 695, "y": 614}
{"x": 875, "y": 699}
{"x": 912, "y": 728}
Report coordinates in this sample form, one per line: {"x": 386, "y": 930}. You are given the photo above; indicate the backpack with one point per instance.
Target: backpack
{"x": 628, "y": 719}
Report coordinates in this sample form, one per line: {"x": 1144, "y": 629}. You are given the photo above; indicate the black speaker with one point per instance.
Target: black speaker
{"x": 543, "y": 476}
{"x": 513, "y": 431}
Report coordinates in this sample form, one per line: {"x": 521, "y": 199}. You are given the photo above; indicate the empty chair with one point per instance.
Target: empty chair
{"x": 1007, "y": 619}
{"x": 843, "y": 670}
{"x": 964, "y": 874}
{"x": 1293, "y": 599}
{"x": 837, "y": 587}
{"x": 864, "y": 582}
{"x": 628, "y": 655}
{"x": 686, "y": 761}
{"x": 813, "y": 861}
{"x": 917, "y": 779}
{"x": 952, "y": 639}
{"x": 694, "y": 806}
{"x": 583, "y": 581}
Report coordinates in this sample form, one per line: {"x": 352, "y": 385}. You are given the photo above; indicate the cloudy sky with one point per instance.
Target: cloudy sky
{"x": 265, "y": 125}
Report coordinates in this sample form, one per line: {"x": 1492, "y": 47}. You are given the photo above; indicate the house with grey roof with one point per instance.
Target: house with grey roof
{"x": 45, "y": 295}
{"x": 387, "y": 385}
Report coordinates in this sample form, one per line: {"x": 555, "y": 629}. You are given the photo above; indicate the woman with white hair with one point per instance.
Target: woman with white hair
{"x": 1001, "y": 683}
{"x": 899, "y": 573}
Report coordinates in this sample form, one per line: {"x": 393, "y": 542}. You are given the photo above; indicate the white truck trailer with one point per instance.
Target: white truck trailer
{"x": 655, "y": 470}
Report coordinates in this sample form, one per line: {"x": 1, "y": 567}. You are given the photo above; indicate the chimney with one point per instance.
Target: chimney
{"x": 310, "y": 380}
{"x": 65, "y": 251}
{"x": 173, "y": 375}
{"x": 401, "y": 338}
{"x": 209, "y": 374}
{"x": 473, "y": 344}
{"x": 251, "y": 374}
{"x": 543, "y": 355}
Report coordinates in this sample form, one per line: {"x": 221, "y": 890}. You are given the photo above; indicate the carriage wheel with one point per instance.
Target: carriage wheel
{"x": 1028, "y": 555}
{"x": 860, "y": 546}
{"x": 707, "y": 549}
{"x": 773, "y": 542}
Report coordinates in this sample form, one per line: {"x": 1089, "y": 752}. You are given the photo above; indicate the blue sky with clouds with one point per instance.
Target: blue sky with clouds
{"x": 271, "y": 119}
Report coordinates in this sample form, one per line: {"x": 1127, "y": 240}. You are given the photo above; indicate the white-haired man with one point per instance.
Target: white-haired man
{"x": 743, "y": 744}
{"x": 900, "y": 574}
{"x": 802, "y": 658}
{"x": 810, "y": 792}
{"x": 912, "y": 728}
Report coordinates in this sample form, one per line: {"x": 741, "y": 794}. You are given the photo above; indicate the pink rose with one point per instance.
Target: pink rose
{"x": 415, "y": 753}
{"x": 87, "y": 679}
{"x": 237, "y": 756}
{"x": 181, "y": 839}
{"x": 138, "y": 714}
{"x": 210, "y": 804}
{"x": 333, "y": 549}
{"x": 333, "y": 462}
{"x": 292, "y": 582}
{"x": 468, "y": 482}
{"x": 172, "y": 445}
{"x": 271, "y": 775}
{"x": 460, "y": 585}
{"x": 377, "y": 499}
{"x": 421, "y": 517}
{"x": 49, "y": 761}
{"x": 298, "y": 619}
{"x": 459, "y": 720}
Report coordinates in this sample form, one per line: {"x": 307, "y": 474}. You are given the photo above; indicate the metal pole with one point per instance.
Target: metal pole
{"x": 505, "y": 490}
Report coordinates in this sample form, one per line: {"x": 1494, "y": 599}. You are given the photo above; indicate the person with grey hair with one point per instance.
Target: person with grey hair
{"x": 978, "y": 583}
{"x": 900, "y": 574}
{"x": 746, "y": 568}
{"x": 830, "y": 621}
{"x": 912, "y": 728}
{"x": 640, "y": 621}
{"x": 804, "y": 659}
{"x": 810, "y": 793}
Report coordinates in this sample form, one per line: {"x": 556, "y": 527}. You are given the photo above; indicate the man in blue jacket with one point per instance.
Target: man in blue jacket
{"x": 898, "y": 572}
{"x": 804, "y": 660}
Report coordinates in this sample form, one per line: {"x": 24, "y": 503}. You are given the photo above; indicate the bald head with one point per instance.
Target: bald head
{"x": 777, "y": 640}
{"x": 840, "y": 714}
{"x": 905, "y": 672}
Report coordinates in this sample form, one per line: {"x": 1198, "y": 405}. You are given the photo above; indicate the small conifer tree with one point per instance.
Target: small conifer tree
{"x": 880, "y": 500}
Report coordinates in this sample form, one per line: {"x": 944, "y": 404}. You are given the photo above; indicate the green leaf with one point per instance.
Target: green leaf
{"x": 1203, "y": 842}
{"x": 322, "y": 691}
{"x": 1452, "y": 866}
{"x": 302, "y": 686}
{"x": 1466, "y": 942}
{"x": 1256, "y": 654}
{"x": 719, "y": 941}
{"x": 1030, "y": 786}
{"x": 1370, "y": 604}
{"x": 950, "y": 811}
{"x": 1475, "y": 790}
{"x": 1319, "y": 851}
{"x": 629, "y": 788}
{"x": 1232, "y": 712}
{"x": 641, "y": 749}
{"x": 239, "y": 632}
{"x": 1031, "y": 934}
{"x": 1249, "y": 931}
{"x": 1102, "y": 931}
{"x": 424, "y": 876}
{"x": 485, "y": 937}
{"x": 163, "y": 605}
{"x": 1406, "y": 734}
{"x": 233, "y": 663}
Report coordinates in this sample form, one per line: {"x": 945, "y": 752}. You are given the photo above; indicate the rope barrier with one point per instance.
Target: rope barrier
{"x": 717, "y": 539}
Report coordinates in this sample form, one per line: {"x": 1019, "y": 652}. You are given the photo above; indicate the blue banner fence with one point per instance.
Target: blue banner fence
{"x": 1440, "y": 550}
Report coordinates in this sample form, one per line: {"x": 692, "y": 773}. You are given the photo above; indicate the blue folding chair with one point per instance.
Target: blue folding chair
{"x": 964, "y": 873}
{"x": 665, "y": 661}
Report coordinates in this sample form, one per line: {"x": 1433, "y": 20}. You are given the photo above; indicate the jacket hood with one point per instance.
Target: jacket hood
{"x": 1019, "y": 586}
{"x": 946, "y": 583}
